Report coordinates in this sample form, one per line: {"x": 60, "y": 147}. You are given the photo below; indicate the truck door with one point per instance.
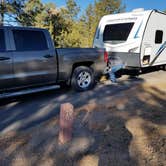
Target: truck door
{"x": 34, "y": 59}
{"x": 6, "y": 67}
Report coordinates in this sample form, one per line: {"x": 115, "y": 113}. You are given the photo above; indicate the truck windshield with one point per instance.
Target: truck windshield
{"x": 117, "y": 33}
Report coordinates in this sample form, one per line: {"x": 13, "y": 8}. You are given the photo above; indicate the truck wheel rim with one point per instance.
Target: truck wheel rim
{"x": 84, "y": 79}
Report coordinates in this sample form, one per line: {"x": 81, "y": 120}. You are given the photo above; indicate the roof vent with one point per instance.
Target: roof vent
{"x": 138, "y": 10}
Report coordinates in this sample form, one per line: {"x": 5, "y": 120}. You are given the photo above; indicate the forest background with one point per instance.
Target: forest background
{"x": 68, "y": 26}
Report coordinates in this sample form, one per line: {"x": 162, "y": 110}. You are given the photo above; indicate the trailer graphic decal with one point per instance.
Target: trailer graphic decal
{"x": 161, "y": 49}
{"x": 136, "y": 34}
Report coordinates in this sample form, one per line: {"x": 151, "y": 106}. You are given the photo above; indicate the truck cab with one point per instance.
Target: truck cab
{"x": 27, "y": 58}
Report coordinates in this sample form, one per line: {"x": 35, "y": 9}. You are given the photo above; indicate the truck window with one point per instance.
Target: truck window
{"x": 117, "y": 33}
{"x": 2, "y": 41}
{"x": 159, "y": 37}
{"x": 27, "y": 40}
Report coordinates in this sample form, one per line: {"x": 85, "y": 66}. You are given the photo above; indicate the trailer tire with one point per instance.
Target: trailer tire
{"x": 82, "y": 78}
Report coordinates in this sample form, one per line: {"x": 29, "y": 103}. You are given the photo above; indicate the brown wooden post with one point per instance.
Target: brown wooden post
{"x": 66, "y": 123}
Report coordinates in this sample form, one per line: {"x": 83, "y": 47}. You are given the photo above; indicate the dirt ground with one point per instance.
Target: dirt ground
{"x": 125, "y": 129}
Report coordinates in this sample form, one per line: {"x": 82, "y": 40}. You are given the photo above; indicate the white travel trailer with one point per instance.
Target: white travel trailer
{"x": 138, "y": 37}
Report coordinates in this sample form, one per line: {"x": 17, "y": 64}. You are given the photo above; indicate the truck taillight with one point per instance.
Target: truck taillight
{"x": 106, "y": 56}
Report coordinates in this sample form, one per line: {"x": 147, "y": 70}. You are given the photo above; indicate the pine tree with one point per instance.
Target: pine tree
{"x": 29, "y": 11}
{"x": 9, "y": 8}
{"x": 66, "y": 26}
{"x": 70, "y": 37}
{"x": 72, "y": 9}
{"x": 95, "y": 11}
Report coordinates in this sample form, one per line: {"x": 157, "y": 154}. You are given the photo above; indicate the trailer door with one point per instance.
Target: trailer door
{"x": 154, "y": 41}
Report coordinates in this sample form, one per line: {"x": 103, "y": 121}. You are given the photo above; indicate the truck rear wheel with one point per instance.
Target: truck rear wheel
{"x": 82, "y": 78}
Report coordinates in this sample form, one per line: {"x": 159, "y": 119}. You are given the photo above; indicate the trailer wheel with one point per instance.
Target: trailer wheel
{"x": 82, "y": 78}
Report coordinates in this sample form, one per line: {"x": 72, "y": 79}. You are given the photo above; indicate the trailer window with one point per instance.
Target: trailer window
{"x": 2, "y": 41}
{"x": 28, "y": 40}
{"x": 117, "y": 33}
{"x": 159, "y": 37}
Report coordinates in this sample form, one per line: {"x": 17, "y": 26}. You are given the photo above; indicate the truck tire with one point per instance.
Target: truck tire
{"x": 82, "y": 78}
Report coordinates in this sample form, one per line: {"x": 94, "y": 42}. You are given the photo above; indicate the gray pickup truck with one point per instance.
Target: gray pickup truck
{"x": 30, "y": 63}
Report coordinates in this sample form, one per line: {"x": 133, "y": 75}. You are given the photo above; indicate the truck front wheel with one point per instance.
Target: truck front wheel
{"x": 82, "y": 78}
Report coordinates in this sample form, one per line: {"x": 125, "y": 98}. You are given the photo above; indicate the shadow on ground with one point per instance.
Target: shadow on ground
{"x": 28, "y": 111}
{"x": 118, "y": 126}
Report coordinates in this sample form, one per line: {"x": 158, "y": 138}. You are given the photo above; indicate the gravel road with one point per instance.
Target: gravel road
{"x": 29, "y": 111}
{"x": 118, "y": 125}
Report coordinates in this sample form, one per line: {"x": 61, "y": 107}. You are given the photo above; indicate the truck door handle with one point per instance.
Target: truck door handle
{"x": 48, "y": 56}
{"x": 4, "y": 58}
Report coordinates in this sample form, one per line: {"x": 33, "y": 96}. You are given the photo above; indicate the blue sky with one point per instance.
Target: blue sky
{"x": 130, "y": 4}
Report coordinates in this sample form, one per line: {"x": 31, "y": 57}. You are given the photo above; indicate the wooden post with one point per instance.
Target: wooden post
{"x": 66, "y": 123}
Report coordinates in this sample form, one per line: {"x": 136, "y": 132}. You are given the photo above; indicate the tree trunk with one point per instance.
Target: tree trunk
{"x": 2, "y": 12}
{"x": 2, "y": 19}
